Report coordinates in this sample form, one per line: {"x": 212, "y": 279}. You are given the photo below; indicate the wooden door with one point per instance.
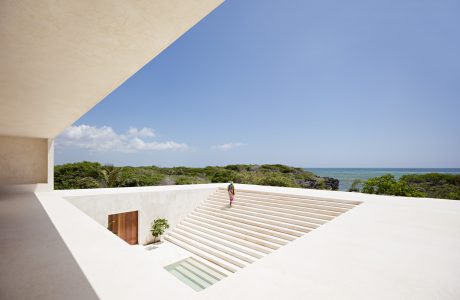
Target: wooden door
{"x": 125, "y": 226}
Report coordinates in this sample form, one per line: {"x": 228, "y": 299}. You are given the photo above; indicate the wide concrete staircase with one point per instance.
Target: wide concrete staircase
{"x": 257, "y": 224}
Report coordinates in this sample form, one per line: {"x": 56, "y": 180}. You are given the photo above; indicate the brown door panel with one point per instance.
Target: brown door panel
{"x": 125, "y": 225}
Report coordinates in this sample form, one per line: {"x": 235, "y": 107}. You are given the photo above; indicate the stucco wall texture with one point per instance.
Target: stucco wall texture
{"x": 23, "y": 160}
{"x": 173, "y": 204}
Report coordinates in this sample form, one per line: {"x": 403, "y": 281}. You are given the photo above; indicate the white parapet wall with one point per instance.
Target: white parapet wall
{"x": 170, "y": 202}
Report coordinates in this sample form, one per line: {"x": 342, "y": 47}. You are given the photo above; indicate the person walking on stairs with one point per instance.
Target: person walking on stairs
{"x": 231, "y": 192}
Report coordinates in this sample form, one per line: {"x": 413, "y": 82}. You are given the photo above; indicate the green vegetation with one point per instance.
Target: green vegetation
{"x": 158, "y": 228}
{"x": 85, "y": 175}
{"x": 356, "y": 185}
{"x": 433, "y": 185}
{"x": 388, "y": 185}
{"x": 110, "y": 176}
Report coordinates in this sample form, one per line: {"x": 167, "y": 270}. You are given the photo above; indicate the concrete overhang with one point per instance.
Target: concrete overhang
{"x": 60, "y": 58}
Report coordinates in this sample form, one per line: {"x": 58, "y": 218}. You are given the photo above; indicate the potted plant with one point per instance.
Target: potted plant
{"x": 158, "y": 228}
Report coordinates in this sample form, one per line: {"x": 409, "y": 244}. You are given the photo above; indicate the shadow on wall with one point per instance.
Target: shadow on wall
{"x": 36, "y": 263}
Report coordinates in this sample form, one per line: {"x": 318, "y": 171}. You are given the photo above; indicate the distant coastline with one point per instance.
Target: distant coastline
{"x": 346, "y": 176}
{"x": 440, "y": 183}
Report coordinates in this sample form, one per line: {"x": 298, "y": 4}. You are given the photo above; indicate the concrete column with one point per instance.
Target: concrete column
{"x": 26, "y": 164}
{"x": 50, "y": 183}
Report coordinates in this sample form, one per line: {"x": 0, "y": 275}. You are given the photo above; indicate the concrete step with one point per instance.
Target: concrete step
{"x": 207, "y": 249}
{"x": 214, "y": 243}
{"x": 257, "y": 244}
{"x": 217, "y": 222}
{"x": 296, "y": 225}
{"x": 267, "y": 220}
{"x": 223, "y": 241}
{"x": 241, "y": 217}
{"x": 272, "y": 205}
{"x": 259, "y": 228}
{"x": 286, "y": 210}
{"x": 322, "y": 210}
{"x": 202, "y": 254}
{"x": 207, "y": 278}
{"x": 242, "y": 210}
{"x": 193, "y": 276}
{"x": 271, "y": 211}
{"x": 258, "y": 223}
{"x": 328, "y": 201}
{"x": 333, "y": 205}
{"x": 337, "y": 207}
{"x": 203, "y": 265}
{"x": 182, "y": 277}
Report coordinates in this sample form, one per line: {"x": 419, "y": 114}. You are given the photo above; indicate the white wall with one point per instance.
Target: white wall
{"x": 170, "y": 202}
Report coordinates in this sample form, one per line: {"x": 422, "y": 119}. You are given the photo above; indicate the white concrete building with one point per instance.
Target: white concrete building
{"x": 58, "y": 59}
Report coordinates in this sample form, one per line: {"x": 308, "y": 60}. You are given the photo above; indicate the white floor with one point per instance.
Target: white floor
{"x": 164, "y": 253}
{"x": 386, "y": 248}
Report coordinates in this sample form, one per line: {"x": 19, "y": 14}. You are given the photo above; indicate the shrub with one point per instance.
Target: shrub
{"x": 223, "y": 175}
{"x": 140, "y": 176}
{"x": 238, "y": 168}
{"x": 158, "y": 228}
{"x": 110, "y": 176}
{"x": 435, "y": 185}
{"x": 87, "y": 183}
{"x": 180, "y": 180}
{"x": 92, "y": 175}
{"x": 76, "y": 175}
{"x": 355, "y": 186}
{"x": 281, "y": 168}
{"x": 388, "y": 185}
{"x": 276, "y": 179}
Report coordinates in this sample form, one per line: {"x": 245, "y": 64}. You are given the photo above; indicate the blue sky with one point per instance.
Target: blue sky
{"x": 304, "y": 83}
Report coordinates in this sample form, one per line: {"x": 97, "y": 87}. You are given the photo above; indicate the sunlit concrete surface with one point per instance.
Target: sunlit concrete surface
{"x": 385, "y": 248}
{"x": 115, "y": 269}
{"x": 35, "y": 263}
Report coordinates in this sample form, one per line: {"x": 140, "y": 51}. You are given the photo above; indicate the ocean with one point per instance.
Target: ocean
{"x": 346, "y": 176}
